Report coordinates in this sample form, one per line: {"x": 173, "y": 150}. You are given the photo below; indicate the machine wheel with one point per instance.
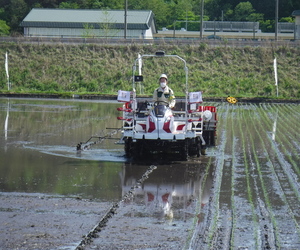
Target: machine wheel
{"x": 198, "y": 146}
{"x": 194, "y": 147}
{"x": 138, "y": 150}
{"x": 184, "y": 150}
{"x": 209, "y": 137}
{"x": 128, "y": 147}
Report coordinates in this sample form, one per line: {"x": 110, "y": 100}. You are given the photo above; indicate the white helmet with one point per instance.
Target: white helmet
{"x": 163, "y": 76}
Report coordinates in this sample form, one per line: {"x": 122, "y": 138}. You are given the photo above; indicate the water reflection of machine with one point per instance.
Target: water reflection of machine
{"x": 170, "y": 191}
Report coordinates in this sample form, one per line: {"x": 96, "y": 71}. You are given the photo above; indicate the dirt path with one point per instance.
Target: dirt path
{"x": 38, "y": 221}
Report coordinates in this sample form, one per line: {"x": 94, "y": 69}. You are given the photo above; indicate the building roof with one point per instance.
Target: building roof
{"x": 77, "y": 18}
{"x": 296, "y": 13}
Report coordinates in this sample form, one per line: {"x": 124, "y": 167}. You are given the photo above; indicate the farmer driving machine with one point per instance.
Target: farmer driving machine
{"x": 153, "y": 128}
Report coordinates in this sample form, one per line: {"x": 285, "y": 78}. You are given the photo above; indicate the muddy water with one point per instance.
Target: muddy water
{"x": 245, "y": 194}
{"x": 38, "y": 148}
{"x": 38, "y": 156}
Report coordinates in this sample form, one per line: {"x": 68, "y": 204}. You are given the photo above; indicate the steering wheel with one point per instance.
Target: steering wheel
{"x": 161, "y": 102}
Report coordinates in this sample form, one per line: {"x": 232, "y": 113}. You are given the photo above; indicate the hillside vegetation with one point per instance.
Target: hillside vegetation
{"x": 13, "y": 12}
{"x": 104, "y": 69}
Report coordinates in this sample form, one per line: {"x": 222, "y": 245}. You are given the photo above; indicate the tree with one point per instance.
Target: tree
{"x": 68, "y": 5}
{"x": 113, "y": 4}
{"x": 161, "y": 10}
{"x": 88, "y": 30}
{"x": 215, "y": 8}
{"x": 106, "y": 25}
{"x": 4, "y": 28}
{"x": 96, "y": 4}
{"x": 165, "y": 11}
{"x": 255, "y": 17}
{"x": 242, "y": 11}
{"x": 18, "y": 10}
{"x": 287, "y": 19}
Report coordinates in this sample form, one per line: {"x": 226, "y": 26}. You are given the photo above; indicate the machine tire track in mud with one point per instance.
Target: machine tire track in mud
{"x": 154, "y": 129}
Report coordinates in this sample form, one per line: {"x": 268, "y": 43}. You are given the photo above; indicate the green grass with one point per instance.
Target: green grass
{"x": 104, "y": 69}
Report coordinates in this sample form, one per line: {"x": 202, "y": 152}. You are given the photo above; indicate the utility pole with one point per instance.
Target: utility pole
{"x": 125, "y": 20}
{"x": 276, "y": 20}
{"x": 201, "y": 19}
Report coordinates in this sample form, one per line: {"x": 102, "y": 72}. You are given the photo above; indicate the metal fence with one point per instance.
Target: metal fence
{"x": 160, "y": 41}
{"x": 231, "y": 26}
{"x": 286, "y": 27}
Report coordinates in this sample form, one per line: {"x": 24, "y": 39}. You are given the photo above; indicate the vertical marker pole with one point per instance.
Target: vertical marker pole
{"x": 276, "y": 77}
{"x": 140, "y": 72}
{"x": 6, "y": 70}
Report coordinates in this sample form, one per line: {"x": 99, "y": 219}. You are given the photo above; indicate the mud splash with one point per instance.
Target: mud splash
{"x": 95, "y": 154}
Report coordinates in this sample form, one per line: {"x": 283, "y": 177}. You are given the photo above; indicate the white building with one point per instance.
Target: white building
{"x": 67, "y": 23}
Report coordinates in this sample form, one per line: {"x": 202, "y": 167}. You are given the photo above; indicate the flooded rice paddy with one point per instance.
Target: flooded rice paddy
{"x": 244, "y": 194}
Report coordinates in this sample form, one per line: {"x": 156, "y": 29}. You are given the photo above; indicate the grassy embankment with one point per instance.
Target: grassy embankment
{"x": 104, "y": 69}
